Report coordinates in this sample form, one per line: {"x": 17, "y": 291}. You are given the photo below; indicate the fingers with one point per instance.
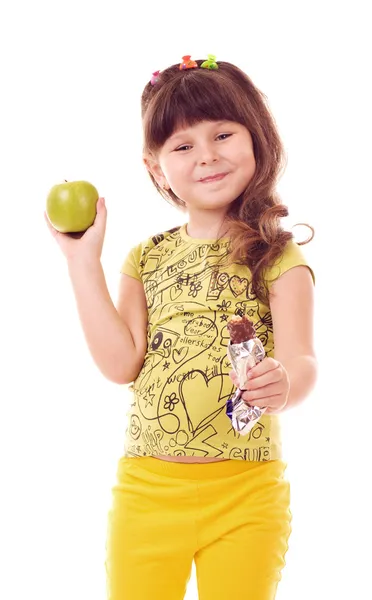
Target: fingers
{"x": 271, "y": 404}
{"x": 266, "y": 365}
{"x": 262, "y": 393}
{"x": 259, "y": 381}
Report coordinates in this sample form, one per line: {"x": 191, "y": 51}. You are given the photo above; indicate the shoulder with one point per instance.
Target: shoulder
{"x": 138, "y": 256}
{"x": 292, "y": 256}
{"x": 157, "y": 240}
{"x": 168, "y": 235}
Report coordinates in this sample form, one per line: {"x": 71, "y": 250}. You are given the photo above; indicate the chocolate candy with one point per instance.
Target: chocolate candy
{"x": 241, "y": 329}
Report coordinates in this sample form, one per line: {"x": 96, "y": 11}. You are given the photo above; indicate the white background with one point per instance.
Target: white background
{"x": 70, "y": 82}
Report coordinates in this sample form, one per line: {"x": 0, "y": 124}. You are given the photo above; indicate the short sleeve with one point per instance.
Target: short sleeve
{"x": 131, "y": 264}
{"x": 293, "y": 256}
{"x": 135, "y": 262}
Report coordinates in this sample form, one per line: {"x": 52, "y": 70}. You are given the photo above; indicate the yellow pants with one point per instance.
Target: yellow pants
{"x": 232, "y": 518}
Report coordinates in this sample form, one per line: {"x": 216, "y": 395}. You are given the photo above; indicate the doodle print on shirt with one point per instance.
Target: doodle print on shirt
{"x": 180, "y": 394}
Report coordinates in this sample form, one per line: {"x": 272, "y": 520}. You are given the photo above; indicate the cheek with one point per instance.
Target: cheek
{"x": 177, "y": 174}
{"x": 252, "y": 165}
{"x": 248, "y": 163}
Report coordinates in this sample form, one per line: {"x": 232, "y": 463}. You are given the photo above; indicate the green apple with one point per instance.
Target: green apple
{"x": 71, "y": 206}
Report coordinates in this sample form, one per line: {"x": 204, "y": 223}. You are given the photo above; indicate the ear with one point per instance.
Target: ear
{"x": 154, "y": 168}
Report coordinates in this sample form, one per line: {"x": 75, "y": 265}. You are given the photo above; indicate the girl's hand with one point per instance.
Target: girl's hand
{"x": 267, "y": 386}
{"x": 89, "y": 244}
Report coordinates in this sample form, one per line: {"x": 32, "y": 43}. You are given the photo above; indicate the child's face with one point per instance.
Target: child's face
{"x": 203, "y": 150}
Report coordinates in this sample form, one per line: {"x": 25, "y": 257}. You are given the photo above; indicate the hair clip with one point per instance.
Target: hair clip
{"x": 188, "y": 63}
{"x": 210, "y": 63}
{"x": 155, "y": 77}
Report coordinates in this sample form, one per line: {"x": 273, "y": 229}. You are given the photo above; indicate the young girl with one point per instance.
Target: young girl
{"x": 189, "y": 487}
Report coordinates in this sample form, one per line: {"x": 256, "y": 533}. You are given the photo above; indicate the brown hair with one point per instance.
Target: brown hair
{"x": 185, "y": 97}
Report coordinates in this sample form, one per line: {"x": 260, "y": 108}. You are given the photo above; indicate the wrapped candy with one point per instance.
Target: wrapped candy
{"x": 245, "y": 350}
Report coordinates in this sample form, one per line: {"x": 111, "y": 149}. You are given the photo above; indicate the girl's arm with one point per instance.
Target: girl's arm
{"x": 292, "y": 310}
{"x": 116, "y": 338}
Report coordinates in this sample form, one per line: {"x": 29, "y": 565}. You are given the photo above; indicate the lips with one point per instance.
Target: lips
{"x": 215, "y": 177}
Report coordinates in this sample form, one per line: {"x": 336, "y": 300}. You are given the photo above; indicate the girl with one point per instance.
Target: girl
{"x": 189, "y": 487}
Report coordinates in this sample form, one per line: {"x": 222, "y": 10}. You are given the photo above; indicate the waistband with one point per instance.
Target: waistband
{"x": 213, "y": 470}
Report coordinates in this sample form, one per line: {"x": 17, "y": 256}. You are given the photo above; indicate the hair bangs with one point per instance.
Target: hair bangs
{"x": 190, "y": 100}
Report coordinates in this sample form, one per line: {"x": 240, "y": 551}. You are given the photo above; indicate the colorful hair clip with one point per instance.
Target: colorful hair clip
{"x": 188, "y": 63}
{"x": 210, "y": 63}
{"x": 155, "y": 77}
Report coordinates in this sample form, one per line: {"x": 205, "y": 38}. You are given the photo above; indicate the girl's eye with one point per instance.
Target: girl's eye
{"x": 182, "y": 148}
{"x": 222, "y": 136}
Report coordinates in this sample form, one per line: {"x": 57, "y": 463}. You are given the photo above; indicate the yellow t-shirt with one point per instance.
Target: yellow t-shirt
{"x": 179, "y": 398}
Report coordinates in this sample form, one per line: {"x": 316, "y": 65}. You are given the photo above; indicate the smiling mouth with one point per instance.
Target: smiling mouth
{"x": 212, "y": 178}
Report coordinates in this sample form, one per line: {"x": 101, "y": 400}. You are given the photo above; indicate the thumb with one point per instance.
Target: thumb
{"x": 100, "y": 220}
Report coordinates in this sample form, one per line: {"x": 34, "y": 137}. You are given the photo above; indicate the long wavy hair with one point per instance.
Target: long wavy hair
{"x": 182, "y": 98}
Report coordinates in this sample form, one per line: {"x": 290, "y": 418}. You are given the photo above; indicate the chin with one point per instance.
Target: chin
{"x": 218, "y": 204}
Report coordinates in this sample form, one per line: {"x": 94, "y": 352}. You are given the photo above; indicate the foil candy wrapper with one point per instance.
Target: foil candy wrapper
{"x": 243, "y": 357}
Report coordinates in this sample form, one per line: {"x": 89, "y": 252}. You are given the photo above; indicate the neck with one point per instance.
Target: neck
{"x": 204, "y": 225}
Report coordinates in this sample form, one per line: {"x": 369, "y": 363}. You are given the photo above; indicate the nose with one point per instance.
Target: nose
{"x": 208, "y": 154}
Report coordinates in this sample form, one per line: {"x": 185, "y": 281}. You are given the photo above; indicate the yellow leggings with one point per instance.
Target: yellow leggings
{"x": 232, "y": 518}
